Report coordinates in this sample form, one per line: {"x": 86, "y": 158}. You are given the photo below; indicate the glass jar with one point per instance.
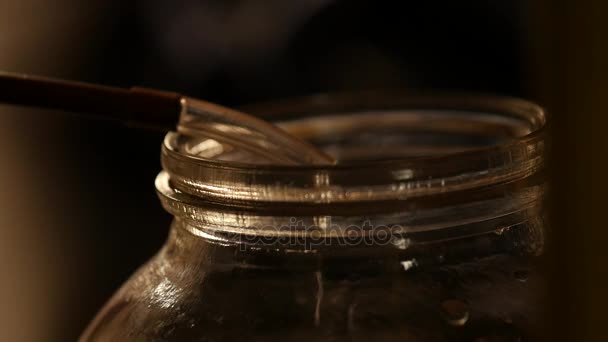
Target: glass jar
{"x": 430, "y": 228}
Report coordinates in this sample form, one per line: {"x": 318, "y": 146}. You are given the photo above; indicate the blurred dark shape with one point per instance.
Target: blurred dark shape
{"x": 242, "y": 51}
{"x": 198, "y": 37}
{"x": 570, "y": 77}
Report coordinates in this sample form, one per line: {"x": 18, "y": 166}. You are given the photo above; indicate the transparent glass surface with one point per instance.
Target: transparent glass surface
{"x": 247, "y": 133}
{"x": 429, "y": 228}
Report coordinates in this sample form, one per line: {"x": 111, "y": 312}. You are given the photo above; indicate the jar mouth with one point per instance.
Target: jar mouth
{"x": 454, "y": 143}
{"x": 485, "y": 173}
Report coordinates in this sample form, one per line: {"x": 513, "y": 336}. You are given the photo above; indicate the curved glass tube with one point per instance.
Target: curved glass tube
{"x": 247, "y": 133}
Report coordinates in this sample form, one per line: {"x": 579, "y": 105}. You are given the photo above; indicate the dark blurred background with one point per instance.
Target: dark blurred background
{"x": 78, "y": 211}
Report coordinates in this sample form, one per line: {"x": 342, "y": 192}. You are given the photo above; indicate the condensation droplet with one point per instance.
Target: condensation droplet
{"x": 408, "y": 264}
{"x": 455, "y": 312}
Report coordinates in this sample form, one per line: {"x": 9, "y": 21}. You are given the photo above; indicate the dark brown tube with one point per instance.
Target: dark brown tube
{"x": 135, "y": 106}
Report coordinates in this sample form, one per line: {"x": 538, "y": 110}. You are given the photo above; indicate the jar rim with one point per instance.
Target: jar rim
{"x": 534, "y": 114}
{"x": 233, "y": 182}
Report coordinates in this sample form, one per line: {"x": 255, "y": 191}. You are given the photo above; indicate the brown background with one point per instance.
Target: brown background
{"x": 78, "y": 211}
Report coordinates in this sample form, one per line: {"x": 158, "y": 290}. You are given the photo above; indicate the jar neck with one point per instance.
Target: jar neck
{"x": 474, "y": 218}
{"x": 189, "y": 245}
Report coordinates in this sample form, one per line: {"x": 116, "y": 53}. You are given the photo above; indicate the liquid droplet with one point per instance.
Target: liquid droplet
{"x": 408, "y": 264}
{"x": 455, "y": 312}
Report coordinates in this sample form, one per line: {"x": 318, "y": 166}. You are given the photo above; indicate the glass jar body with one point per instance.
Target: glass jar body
{"x": 433, "y": 232}
{"x": 197, "y": 290}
